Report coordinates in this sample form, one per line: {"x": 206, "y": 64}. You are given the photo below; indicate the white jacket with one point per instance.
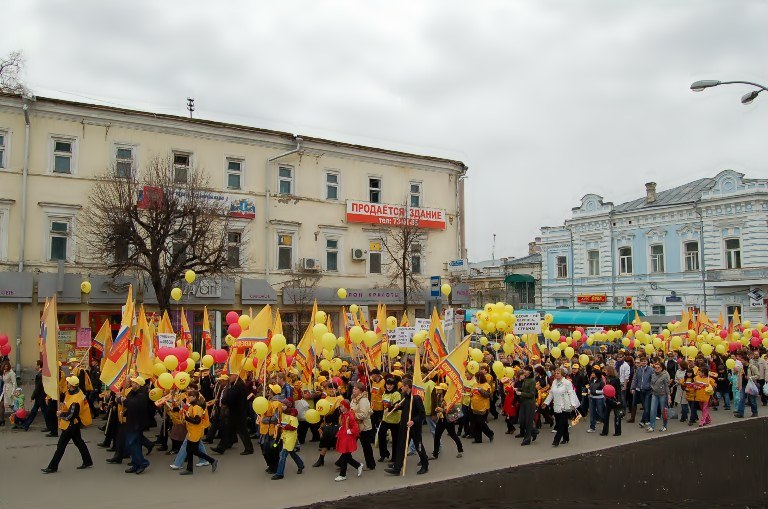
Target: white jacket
{"x": 562, "y": 396}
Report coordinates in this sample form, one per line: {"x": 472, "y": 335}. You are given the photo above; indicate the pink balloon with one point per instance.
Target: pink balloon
{"x": 182, "y": 365}
{"x": 220, "y": 356}
{"x": 755, "y": 333}
{"x": 232, "y": 317}
{"x": 5, "y": 349}
{"x": 580, "y": 329}
{"x": 723, "y": 334}
{"x": 255, "y": 362}
{"x": 162, "y": 353}
{"x": 211, "y": 352}
{"x": 3, "y": 339}
{"x": 609, "y": 391}
{"x": 289, "y": 360}
{"x": 181, "y": 353}
{"x": 755, "y": 341}
{"x": 234, "y": 330}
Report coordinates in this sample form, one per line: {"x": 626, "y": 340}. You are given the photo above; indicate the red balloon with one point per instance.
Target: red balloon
{"x": 181, "y": 353}
{"x": 723, "y": 334}
{"x": 182, "y": 365}
{"x": 631, "y": 343}
{"x": 609, "y": 391}
{"x": 3, "y": 339}
{"x": 234, "y": 330}
{"x": 21, "y": 413}
{"x": 755, "y": 341}
{"x": 732, "y": 346}
{"x": 755, "y": 333}
{"x": 5, "y": 349}
{"x": 211, "y": 352}
{"x": 162, "y": 353}
{"x": 220, "y": 356}
{"x": 255, "y": 362}
{"x": 580, "y": 329}
{"x": 232, "y": 317}
{"x": 289, "y": 360}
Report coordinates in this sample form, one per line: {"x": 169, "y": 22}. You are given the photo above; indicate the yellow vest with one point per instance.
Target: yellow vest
{"x": 377, "y": 391}
{"x": 289, "y": 436}
{"x": 69, "y": 399}
{"x": 195, "y": 431}
{"x": 391, "y": 399}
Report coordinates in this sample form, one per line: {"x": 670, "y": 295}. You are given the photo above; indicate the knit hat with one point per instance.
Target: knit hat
{"x": 345, "y": 404}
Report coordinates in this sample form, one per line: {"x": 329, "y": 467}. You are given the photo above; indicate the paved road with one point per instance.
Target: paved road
{"x": 241, "y": 481}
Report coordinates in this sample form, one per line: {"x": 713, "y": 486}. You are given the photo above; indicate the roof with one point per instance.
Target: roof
{"x": 687, "y": 193}
{"x": 534, "y": 258}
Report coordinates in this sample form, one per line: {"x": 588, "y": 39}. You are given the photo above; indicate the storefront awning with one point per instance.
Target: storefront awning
{"x": 16, "y": 287}
{"x": 519, "y": 278}
{"x": 66, "y": 289}
{"x": 592, "y": 317}
{"x": 257, "y": 291}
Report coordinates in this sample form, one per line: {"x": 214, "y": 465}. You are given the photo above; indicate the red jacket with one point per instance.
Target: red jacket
{"x": 346, "y": 442}
{"x": 510, "y": 405}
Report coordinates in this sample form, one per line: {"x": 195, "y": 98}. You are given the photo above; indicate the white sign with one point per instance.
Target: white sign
{"x": 166, "y": 340}
{"x": 457, "y": 266}
{"x": 423, "y": 324}
{"x": 592, "y": 330}
{"x": 755, "y": 303}
{"x": 403, "y": 337}
{"x": 527, "y": 323}
{"x": 448, "y": 320}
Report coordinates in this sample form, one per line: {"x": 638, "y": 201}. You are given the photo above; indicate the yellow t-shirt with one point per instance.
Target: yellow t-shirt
{"x": 195, "y": 431}
{"x": 479, "y": 403}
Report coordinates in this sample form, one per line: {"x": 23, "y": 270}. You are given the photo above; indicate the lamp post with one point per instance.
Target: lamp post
{"x": 699, "y": 86}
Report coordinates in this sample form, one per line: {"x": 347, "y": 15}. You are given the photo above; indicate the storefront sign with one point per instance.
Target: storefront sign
{"x": 595, "y": 298}
{"x": 84, "y": 337}
{"x": 527, "y": 323}
{"x": 16, "y": 287}
{"x": 257, "y": 291}
{"x": 393, "y": 215}
{"x": 48, "y": 285}
{"x": 244, "y": 209}
{"x": 328, "y": 296}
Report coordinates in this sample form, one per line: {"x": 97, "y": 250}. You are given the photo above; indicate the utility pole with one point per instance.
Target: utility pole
{"x": 190, "y": 105}
{"x": 493, "y": 250}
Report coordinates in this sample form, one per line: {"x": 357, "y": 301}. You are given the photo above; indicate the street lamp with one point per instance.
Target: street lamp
{"x": 699, "y": 86}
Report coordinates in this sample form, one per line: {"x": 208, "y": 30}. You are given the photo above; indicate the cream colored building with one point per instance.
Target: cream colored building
{"x": 306, "y": 208}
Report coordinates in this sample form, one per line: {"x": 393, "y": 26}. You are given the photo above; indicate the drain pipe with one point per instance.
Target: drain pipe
{"x": 23, "y": 232}
{"x": 267, "y": 188}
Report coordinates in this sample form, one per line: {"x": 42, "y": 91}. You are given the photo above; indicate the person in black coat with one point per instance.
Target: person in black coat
{"x": 413, "y": 417}
{"x": 235, "y": 401}
{"x": 135, "y": 411}
{"x": 38, "y": 396}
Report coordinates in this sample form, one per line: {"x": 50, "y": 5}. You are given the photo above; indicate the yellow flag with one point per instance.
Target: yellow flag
{"x": 453, "y": 367}
{"x": 277, "y": 328}
{"x": 49, "y": 332}
{"x": 404, "y": 321}
{"x": 165, "y": 327}
{"x": 186, "y": 332}
{"x": 116, "y": 364}
{"x": 144, "y": 335}
{"x": 306, "y": 351}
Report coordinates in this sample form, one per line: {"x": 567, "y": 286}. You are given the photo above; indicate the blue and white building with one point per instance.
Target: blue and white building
{"x": 702, "y": 245}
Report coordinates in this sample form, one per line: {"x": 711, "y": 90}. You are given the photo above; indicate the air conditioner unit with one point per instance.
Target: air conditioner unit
{"x": 310, "y": 264}
{"x": 358, "y": 254}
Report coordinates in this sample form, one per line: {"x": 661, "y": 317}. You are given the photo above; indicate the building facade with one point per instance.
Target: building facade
{"x": 702, "y": 245}
{"x": 516, "y": 281}
{"x": 306, "y": 214}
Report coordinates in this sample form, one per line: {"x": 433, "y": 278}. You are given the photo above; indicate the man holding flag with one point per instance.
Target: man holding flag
{"x": 410, "y": 423}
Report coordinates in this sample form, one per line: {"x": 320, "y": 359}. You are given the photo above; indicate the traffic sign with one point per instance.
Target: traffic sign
{"x": 434, "y": 286}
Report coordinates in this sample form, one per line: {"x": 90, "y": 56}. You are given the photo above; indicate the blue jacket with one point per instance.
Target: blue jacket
{"x": 642, "y": 379}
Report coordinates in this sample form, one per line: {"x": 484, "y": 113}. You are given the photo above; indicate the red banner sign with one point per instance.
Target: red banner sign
{"x": 591, "y": 298}
{"x": 393, "y": 215}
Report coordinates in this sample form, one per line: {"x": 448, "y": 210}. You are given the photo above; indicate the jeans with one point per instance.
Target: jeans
{"x": 181, "y": 457}
{"x": 193, "y": 449}
{"x": 644, "y": 397}
{"x": 133, "y": 447}
{"x": 683, "y": 411}
{"x": 596, "y": 411}
{"x": 744, "y": 397}
{"x": 284, "y": 458}
{"x": 725, "y": 398}
{"x": 693, "y": 407}
{"x": 658, "y": 403}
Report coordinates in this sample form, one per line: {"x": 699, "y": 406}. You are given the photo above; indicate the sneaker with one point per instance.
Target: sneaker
{"x": 174, "y": 467}
{"x": 590, "y": 430}
{"x": 202, "y": 464}
{"x": 643, "y": 424}
{"x": 359, "y": 470}
{"x": 649, "y": 430}
{"x": 459, "y": 455}
{"x": 340, "y": 478}
{"x": 663, "y": 428}
{"x": 554, "y": 431}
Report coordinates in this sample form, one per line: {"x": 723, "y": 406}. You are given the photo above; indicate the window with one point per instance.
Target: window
{"x": 657, "y": 258}
{"x": 59, "y": 235}
{"x": 179, "y": 248}
{"x": 285, "y": 180}
{"x": 374, "y": 190}
{"x": 561, "y": 302}
{"x": 416, "y": 259}
{"x": 415, "y": 194}
{"x": 332, "y": 185}
{"x": 284, "y": 251}
{"x": 180, "y": 167}
{"x": 593, "y": 262}
{"x": 3, "y": 139}
{"x": 374, "y": 257}
{"x": 562, "y": 267}
{"x": 730, "y": 311}
{"x": 234, "y": 173}
{"x": 691, "y": 256}
{"x": 332, "y": 255}
{"x": 234, "y": 240}
{"x": 63, "y": 148}
{"x": 625, "y": 261}
{"x": 658, "y": 310}
{"x": 732, "y": 253}
{"x": 123, "y": 162}
{"x": 122, "y": 250}
{"x": 4, "y": 211}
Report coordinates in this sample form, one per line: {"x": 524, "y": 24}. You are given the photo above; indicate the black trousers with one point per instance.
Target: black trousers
{"x": 71, "y": 433}
{"x": 110, "y": 431}
{"x": 441, "y": 426}
{"x": 394, "y": 429}
{"x": 305, "y": 427}
{"x": 616, "y": 420}
{"x": 193, "y": 449}
{"x": 50, "y": 417}
{"x": 464, "y": 422}
{"x": 376, "y": 417}
{"x": 235, "y": 426}
{"x": 402, "y": 446}
{"x": 527, "y": 411}
{"x": 561, "y": 427}
{"x": 347, "y": 459}
{"x": 214, "y": 428}
{"x": 480, "y": 426}
{"x": 366, "y": 444}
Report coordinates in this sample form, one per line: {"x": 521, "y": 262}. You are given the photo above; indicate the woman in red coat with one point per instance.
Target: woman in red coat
{"x": 509, "y": 408}
{"x": 346, "y": 441}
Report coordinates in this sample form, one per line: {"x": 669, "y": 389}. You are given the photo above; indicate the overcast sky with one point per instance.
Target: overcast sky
{"x": 544, "y": 101}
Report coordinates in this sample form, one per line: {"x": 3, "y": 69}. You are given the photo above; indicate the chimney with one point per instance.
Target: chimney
{"x": 650, "y": 192}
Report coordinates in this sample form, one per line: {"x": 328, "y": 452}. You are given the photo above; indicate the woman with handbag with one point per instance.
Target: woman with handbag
{"x": 346, "y": 441}
{"x": 562, "y": 395}
{"x": 446, "y": 419}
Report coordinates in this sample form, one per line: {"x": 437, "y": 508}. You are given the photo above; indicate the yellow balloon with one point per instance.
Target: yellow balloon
{"x": 354, "y": 308}
{"x": 248, "y": 364}
{"x": 207, "y": 361}
{"x": 649, "y": 349}
{"x": 707, "y": 349}
{"x": 341, "y": 293}
{"x": 155, "y": 394}
{"x": 496, "y": 347}
{"x": 328, "y": 341}
{"x": 171, "y": 362}
{"x": 260, "y": 350}
{"x": 165, "y": 380}
{"x": 260, "y": 405}
{"x": 278, "y": 343}
{"x": 190, "y": 276}
{"x": 569, "y": 352}
{"x": 509, "y": 371}
{"x": 483, "y": 341}
{"x": 498, "y": 368}
{"x": 393, "y": 351}
{"x": 765, "y": 342}
{"x": 319, "y": 330}
{"x": 158, "y": 369}
{"x": 85, "y": 287}
{"x": 391, "y": 323}
{"x": 321, "y": 317}
{"x": 470, "y": 328}
{"x": 625, "y": 341}
{"x": 445, "y": 289}
{"x": 548, "y": 318}
{"x": 341, "y": 341}
{"x": 583, "y": 359}
{"x": 730, "y": 363}
{"x": 229, "y": 340}
{"x": 370, "y": 338}
{"x": 657, "y": 343}
{"x": 501, "y": 326}
{"x": 323, "y": 406}
{"x": 290, "y": 349}
{"x": 182, "y": 380}
{"x": 419, "y": 338}
{"x": 312, "y": 416}
{"x": 692, "y": 352}
{"x": 577, "y": 335}
{"x": 508, "y": 349}
{"x": 328, "y": 354}
{"x": 476, "y": 354}
{"x": 176, "y": 294}
{"x": 244, "y": 321}
{"x": 356, "y": 334}
{"x": 336, "y": 364}
{"x": 676, "y": 342}
{"x": 720, "y": 349}
{"x": 195, "y": 356}
{"x": 645, "y": 327}
{"x": 473, "y": 367}
{"x": 325, "y": 364}
{"x": 556, "y": 352}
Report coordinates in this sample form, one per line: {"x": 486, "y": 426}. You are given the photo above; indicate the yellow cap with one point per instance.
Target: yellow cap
{"x": 73, "y": 381}
{"x": 276, "y": 388}
{"x": 138, "y": 380}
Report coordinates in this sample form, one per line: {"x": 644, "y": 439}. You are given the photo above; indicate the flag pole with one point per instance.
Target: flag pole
{"x": 408, "y": 433}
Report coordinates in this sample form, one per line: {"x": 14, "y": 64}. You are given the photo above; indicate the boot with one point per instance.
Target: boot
{"x": 320, "y": 462}
{"x": 632, "y": 415}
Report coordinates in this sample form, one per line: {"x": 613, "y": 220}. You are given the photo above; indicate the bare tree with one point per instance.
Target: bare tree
{"x": 10, "y": 73}
{"x": 403, "y": 244}
{"x": 158, "y": 224}
{"x": 301, "y": 296}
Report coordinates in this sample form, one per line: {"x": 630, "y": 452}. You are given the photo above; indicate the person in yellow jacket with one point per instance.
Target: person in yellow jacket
{"x": 269, "y": 429}
{"x": 289, "y": 425}
{"x": 391, "y": 418}
{"x": 73, "y": 415}
{"x": 376, "y": 384}
{"x": 704, "y": 386}
{"x": 196, "y": 419}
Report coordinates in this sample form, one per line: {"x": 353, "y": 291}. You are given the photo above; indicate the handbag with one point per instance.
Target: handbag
{"x": 751, "y": 388}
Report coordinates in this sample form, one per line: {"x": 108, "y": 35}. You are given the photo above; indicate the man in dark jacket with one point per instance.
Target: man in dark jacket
{"x": 527, "y": 394}
{"x": 135, "y": 409}
{"x": 235, "y": 401}
{"x": 38, "y": 396}
{"x": 413, "y": 417}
